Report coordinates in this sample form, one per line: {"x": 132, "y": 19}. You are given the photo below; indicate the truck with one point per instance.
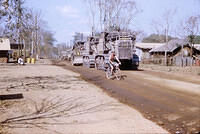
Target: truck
{"x": 77, "y": 53}
{"x": 90, "y": 51}
{"x": 66, "y": 55}
{"x": 122, "y": 43}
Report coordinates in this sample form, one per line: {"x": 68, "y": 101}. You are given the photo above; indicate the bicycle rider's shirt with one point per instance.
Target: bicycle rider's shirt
{"x": 113, "y": 58}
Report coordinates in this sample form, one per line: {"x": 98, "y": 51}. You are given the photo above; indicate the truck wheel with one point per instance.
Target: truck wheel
{"x": 96, "y": 66}
{"x": 72, "y": 63}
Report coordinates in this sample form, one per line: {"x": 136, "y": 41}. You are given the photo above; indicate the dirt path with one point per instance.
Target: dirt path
{"x": 171, "y": 101}
{"x": 56, "y": 100}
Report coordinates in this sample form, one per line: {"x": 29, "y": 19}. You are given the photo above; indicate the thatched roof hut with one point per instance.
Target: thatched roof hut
{"x": 171, "y": 46}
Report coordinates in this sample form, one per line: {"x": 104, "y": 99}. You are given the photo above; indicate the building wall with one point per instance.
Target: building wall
{"x": 182, "y": 61}
{"x": 4, "y": 44}
{"x": 139, "y": 53}
{"x": 179, "y": 58}
{"x": 143, "y": 54}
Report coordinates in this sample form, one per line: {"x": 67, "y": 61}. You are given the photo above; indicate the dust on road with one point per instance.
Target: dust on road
{"x": 58, "y": 101}
{"x": 171, "y": 101}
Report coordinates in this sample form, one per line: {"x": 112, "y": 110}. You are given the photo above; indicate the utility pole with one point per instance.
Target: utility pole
{"x": 192, "y": 37}
{"x": 100, "y": 7}
{"x": 36, "y": 37}
{"x": 182, "y": 56}
{"x": 105, "y": 17}
{"x": 24, "y": 50}
{"x": 92, "y": 30}
{"x": 32, "y": 45}
{"x": 166, "y": 33}
{"x": 18, "y": 23}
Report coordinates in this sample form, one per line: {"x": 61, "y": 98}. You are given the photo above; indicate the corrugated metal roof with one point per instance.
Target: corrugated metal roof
{"x": 148, "y": 45}
{"x": 4, "y": 44}
{"x": 171, "y": 46}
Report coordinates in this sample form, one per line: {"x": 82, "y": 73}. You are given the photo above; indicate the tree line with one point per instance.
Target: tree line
{"x": 120, "y": 15}
{"x": 111, "y": 14}
{"x": 24, "y": 25}
{"x": 189, "y": 29}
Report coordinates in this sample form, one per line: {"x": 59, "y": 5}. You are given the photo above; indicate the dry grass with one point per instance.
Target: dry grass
{"x": 190, "y": 70}
{"x": 1, "y": 130}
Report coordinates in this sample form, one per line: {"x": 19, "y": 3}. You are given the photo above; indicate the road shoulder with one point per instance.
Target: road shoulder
{"x": 57, "y": 100}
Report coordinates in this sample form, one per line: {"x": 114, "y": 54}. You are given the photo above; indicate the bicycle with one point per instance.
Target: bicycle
{"x": 116, "y": 72}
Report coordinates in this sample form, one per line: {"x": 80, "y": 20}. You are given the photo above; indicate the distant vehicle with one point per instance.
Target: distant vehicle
{"x": 77, "y": 50}
{"x": 66, "y": 55}
{"x": 77, "y": 60}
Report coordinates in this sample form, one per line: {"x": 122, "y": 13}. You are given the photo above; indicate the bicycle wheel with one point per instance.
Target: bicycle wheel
{"x": 108, "y": 73}
{"x": 118, "y": 74}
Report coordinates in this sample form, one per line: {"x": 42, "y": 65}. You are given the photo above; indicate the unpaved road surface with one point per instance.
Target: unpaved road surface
{"x": 58, "y": 101}
{"x": 172, "y": 101}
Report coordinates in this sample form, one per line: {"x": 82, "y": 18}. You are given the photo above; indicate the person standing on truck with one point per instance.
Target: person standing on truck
{"x": 114, "y": 61}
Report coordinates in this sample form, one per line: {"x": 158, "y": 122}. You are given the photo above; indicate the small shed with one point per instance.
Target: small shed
{"x": 4, "y": 49}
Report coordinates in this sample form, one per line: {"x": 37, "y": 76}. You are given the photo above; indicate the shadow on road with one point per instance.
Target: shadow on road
{"x": 131, "y": 69}
{"x": 11, "y": 96}
{"x": 50, "y": 110}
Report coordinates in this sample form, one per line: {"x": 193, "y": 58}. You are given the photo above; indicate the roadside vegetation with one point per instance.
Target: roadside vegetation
{"x": 22, "y": 24}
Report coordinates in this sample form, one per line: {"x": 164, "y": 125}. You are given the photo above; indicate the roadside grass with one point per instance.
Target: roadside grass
{"x": 190, "y": 70}
{"x": 4, "y": 105}
{"x": 1, "y": 129}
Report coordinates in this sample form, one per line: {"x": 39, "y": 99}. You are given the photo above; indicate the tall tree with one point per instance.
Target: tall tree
{"x": 189, "y": 29}
{"x": 20, "y": 23}
{"x": 118, "y": 14}
{"x": 62, "y": 47}
{"x": 163, "y": 26}
{"x": 47, "y": 44}
{"x": 12, "y": 12}
{"x": 36, "y": 26}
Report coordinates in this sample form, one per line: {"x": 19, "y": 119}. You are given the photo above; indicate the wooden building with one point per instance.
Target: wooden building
{"x": 17, "y": 50}
{"x": 175, "y": 52}
{"x": 142, "y": 49}
{"x": 4, "y": 50}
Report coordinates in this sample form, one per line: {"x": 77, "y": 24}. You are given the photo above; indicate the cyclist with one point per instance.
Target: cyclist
{"x": 114, "y": 61}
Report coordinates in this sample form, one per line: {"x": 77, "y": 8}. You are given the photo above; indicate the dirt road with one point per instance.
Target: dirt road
{"x": 172, "y": 101}
{"x": 53, "y": 100}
